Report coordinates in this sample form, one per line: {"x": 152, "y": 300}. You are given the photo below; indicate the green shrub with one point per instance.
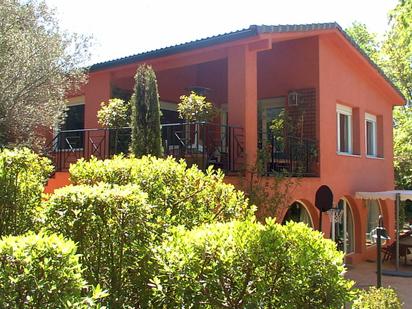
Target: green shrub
{"x": 181, "y": 195}
{"x": 22, "y": 178}
{"x": 39, "y": 271}
{"x": 377, "y": 298}
{"x": 111, "y": 225}
{"x": 173, "y": 195}
{"x": 250, "y": 265}
{"x": 145, "y": 120}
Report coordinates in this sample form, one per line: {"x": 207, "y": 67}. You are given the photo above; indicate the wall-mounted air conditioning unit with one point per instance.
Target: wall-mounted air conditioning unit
{"x": 293, "y": 98}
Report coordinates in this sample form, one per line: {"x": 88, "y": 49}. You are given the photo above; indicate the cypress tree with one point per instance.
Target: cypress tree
{"x": 146, "y": 135}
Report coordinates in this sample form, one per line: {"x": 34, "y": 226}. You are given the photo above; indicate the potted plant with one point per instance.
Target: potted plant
{"x": 115, "y": 115}
{"x": 196, "y": 110}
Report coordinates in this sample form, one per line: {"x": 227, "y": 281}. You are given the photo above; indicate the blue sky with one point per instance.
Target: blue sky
{"x": 125, "y": 27}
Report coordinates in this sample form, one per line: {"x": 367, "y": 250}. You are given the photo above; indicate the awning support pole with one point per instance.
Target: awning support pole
{"x": 397, "y": 205}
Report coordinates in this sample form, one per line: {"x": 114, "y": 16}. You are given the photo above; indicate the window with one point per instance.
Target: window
{"x": 298, "y": 213}
{"x": 71, "y": 131}
{"x": 372, "y": 220}
{"x": 370, "y": 135}
{"x": 344, "y": 129}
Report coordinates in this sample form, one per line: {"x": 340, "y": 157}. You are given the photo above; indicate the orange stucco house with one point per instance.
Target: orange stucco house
{"x": 339, "y": 106}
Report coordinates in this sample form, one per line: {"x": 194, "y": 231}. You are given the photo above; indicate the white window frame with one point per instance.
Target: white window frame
{"x": 347, "y": 111}
{"x": 372, "y": 119}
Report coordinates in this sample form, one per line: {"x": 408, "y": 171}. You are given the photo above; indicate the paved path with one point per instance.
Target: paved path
{"x": 364, "y": 275}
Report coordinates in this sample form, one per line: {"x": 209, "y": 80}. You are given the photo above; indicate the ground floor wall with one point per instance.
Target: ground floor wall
{"x": 304, "y": 193}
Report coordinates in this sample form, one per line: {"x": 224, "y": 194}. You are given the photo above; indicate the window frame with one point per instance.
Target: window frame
{"x": 373, "y": 120}
{"x": 346, "y": 111}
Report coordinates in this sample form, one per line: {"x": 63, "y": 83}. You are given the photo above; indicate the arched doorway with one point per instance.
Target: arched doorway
{"x": 343, "y": 231}
{"x": 297, "y": 212}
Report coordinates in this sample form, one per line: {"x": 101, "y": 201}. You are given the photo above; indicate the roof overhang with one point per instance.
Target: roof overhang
{"x": 252, "y": 35}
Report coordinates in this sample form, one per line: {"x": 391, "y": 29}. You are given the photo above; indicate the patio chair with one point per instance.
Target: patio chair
{"x": 389, "y": 252}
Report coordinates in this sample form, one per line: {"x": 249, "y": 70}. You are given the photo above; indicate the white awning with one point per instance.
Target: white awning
{"x": 397, "y": 196}
{"x": 385, "y": 195}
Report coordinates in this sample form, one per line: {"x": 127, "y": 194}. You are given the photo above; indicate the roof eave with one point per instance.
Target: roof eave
{"x": 167, "y": 51}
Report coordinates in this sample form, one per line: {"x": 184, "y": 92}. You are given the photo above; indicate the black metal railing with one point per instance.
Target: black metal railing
{"x": 289, "y": 155}
{"x": 203, "y": 144}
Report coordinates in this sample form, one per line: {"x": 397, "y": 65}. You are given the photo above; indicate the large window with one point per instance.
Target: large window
{"x": 374, "y": 211}
{"x": 343, "y": 229}
{"x": 298, "y": 213}
{"x": 72, "y": 135}
{"x": 371, "y": 135}
{"x": 344, "y": 129}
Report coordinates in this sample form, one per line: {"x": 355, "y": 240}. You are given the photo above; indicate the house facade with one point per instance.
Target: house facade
{"x": 335, "y": 104}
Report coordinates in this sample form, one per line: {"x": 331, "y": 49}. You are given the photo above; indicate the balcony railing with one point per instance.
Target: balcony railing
{"x": 203, "y": 144}
{"x": 291, "y": 156}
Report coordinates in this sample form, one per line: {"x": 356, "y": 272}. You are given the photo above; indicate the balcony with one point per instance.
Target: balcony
{"x": 289, "y": 155}
{"x": 203, "y": 144}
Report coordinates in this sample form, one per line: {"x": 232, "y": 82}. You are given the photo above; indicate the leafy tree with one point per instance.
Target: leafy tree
{"x": 146, "y": 135}
{"x": 366, "y": 40}
{"x": 39, "y": 271}
{"x": 397, "y": 52}
{"x": 250, "y": 265}
{"x": 397, "y": 48}
{"x": 39, "y": 64}
{"x": 22, "y": 178}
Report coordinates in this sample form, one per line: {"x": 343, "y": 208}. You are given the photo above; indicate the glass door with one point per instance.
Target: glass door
{"x": 342, "y": 228}
{"x": 268, "y": 110}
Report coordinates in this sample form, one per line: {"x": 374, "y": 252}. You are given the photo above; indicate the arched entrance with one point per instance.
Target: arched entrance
{"x": 297, "y": 212}
{"x": 343, "y": 231}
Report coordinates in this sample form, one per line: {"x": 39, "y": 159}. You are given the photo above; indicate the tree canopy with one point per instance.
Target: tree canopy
{"x": 397, "y": 48}
{"x": 368, "y": 41}
{"x": 39, "y": 65}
